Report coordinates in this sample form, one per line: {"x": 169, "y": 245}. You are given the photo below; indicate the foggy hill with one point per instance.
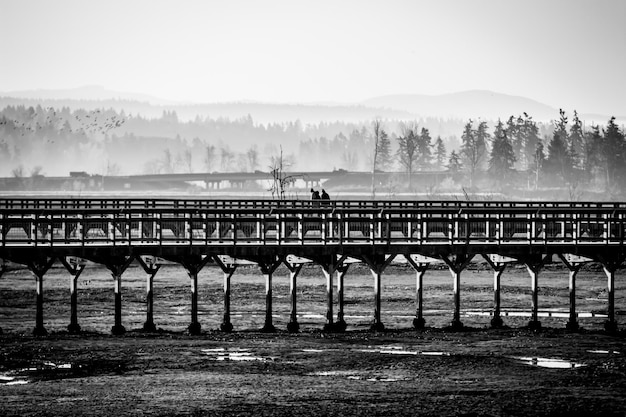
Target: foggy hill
{"x": 95, "y": 97}
{"x": 474, "y": 104}
{"x": 486, "y": 105}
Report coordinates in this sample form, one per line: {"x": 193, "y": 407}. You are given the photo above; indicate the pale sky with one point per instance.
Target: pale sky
{"x": 564, "y": 53}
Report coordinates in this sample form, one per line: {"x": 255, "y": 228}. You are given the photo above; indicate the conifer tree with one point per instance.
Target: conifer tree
{"x": 502, "y": 156}
{"x": 575, "y": 142}
{"x": 440, "y": 152}
{"x": 559, "y": 161}
{"x": 424, "y": 149}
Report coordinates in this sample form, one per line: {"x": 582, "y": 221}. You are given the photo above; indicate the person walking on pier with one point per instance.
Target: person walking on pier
{"x": 315, "y": 195}
{"x": 325, "y": 197}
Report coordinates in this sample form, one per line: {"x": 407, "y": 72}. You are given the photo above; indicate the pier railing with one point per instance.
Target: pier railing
{"x": 304, "y": 224}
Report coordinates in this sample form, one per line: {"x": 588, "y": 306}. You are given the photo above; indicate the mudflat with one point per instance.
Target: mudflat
{"x": 477, "y": 371}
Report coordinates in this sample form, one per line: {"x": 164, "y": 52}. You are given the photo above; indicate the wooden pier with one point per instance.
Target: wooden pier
{"x": 193, "y": 233}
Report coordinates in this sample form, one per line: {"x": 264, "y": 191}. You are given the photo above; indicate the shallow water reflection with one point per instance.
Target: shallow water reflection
{"x": 550, "y": 363}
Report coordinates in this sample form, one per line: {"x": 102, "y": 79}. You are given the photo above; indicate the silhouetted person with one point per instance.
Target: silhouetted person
{"x": 315, "y": 195}
{"x": 325, "y": 195}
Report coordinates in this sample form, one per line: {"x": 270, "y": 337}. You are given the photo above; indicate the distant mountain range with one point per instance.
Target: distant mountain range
{"x": 475, "y": 104}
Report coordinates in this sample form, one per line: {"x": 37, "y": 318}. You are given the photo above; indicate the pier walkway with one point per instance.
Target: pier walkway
{"x": 116, "y": 232}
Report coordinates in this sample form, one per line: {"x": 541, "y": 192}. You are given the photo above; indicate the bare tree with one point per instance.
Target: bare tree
{"x": 280, "y": 180}
{"x": 18, "y": 172}
{"x": 253, "y": 157}
{"x": 227, "y": 159}
{"x": 210, "y": 155}
{"x": 186, "y": 158}
{"x": 408, "y": 148}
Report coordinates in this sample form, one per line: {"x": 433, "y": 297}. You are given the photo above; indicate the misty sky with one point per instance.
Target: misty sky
{"x": 565, "y": 53}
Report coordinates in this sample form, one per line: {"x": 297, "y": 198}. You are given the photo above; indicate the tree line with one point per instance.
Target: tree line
{"x": 514, "y": 152}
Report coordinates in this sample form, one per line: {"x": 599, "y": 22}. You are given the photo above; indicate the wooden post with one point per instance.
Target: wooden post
{"x": 534, "y": 266}
{"x": 329, "y": 271}
{"x": 610, "y": 325}
{"x": 39, "y": 269}
{"x": 421, "y": 266}
{"x": 193, "y": 264}
{"x": 572, "y": 323}
{"x": 496, "y": 320}
{"x": 3, "y": 267}
{"x": 226, "y": 325}
{"x": 151, "y": 267}
{"x": 75, "y": 267}
{"x": 377, "y": 265}
{"x": 118, "y": 328}
{"x": 456, "y": 264}
{"x": 117, "y": 268}
{"x": 268, "y": 266}
{"x": 573, "y": 264}
{"x": 418, "y": 321}
{"x": 194, "y": 327}
{"x": 294, "y": 271}
{"x": 498, "y": 264}
{"x": 228, "y": 267}
{"x": 610, "y": 266}
{"x": 341, "y": 324}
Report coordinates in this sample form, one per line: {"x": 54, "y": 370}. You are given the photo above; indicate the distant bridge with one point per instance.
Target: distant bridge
{"x": 116, "y": 232}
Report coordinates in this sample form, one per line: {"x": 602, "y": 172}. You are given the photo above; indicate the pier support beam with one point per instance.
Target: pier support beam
{"x": 294, "y": 271}
{"x": 420, "y": 264}
{"x": 377, "y": 265}
{"x": 3, "y": 269}
{"x": 75, "y": 267}
{"x": 340, "y": 324}
{"x": 228, "y": 269}
{"x": 193, "y": 265}
{"x": 268, "y": 266}
{"x": 573, "y": 264}
{"x": 328, "y": 268}
{"x": 117, "y": 268}
{"x": 610, "y": 266}
{"x": 534, "y": 265}
{"x": 456, "y": 264}
{"x": 150, "y": 266}
{"x": 39, "y": 268}
{"x": 498, "y": 264}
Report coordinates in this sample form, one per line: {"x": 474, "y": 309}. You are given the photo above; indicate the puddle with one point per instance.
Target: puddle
{"x": 44, "y": 370}
{"x": 241, "y": 355}
{"x": 11, "y": 380}
{"x": 355, "y": 376}
{"x": 399, "y": 350}
{"x": 550, "y": 363}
